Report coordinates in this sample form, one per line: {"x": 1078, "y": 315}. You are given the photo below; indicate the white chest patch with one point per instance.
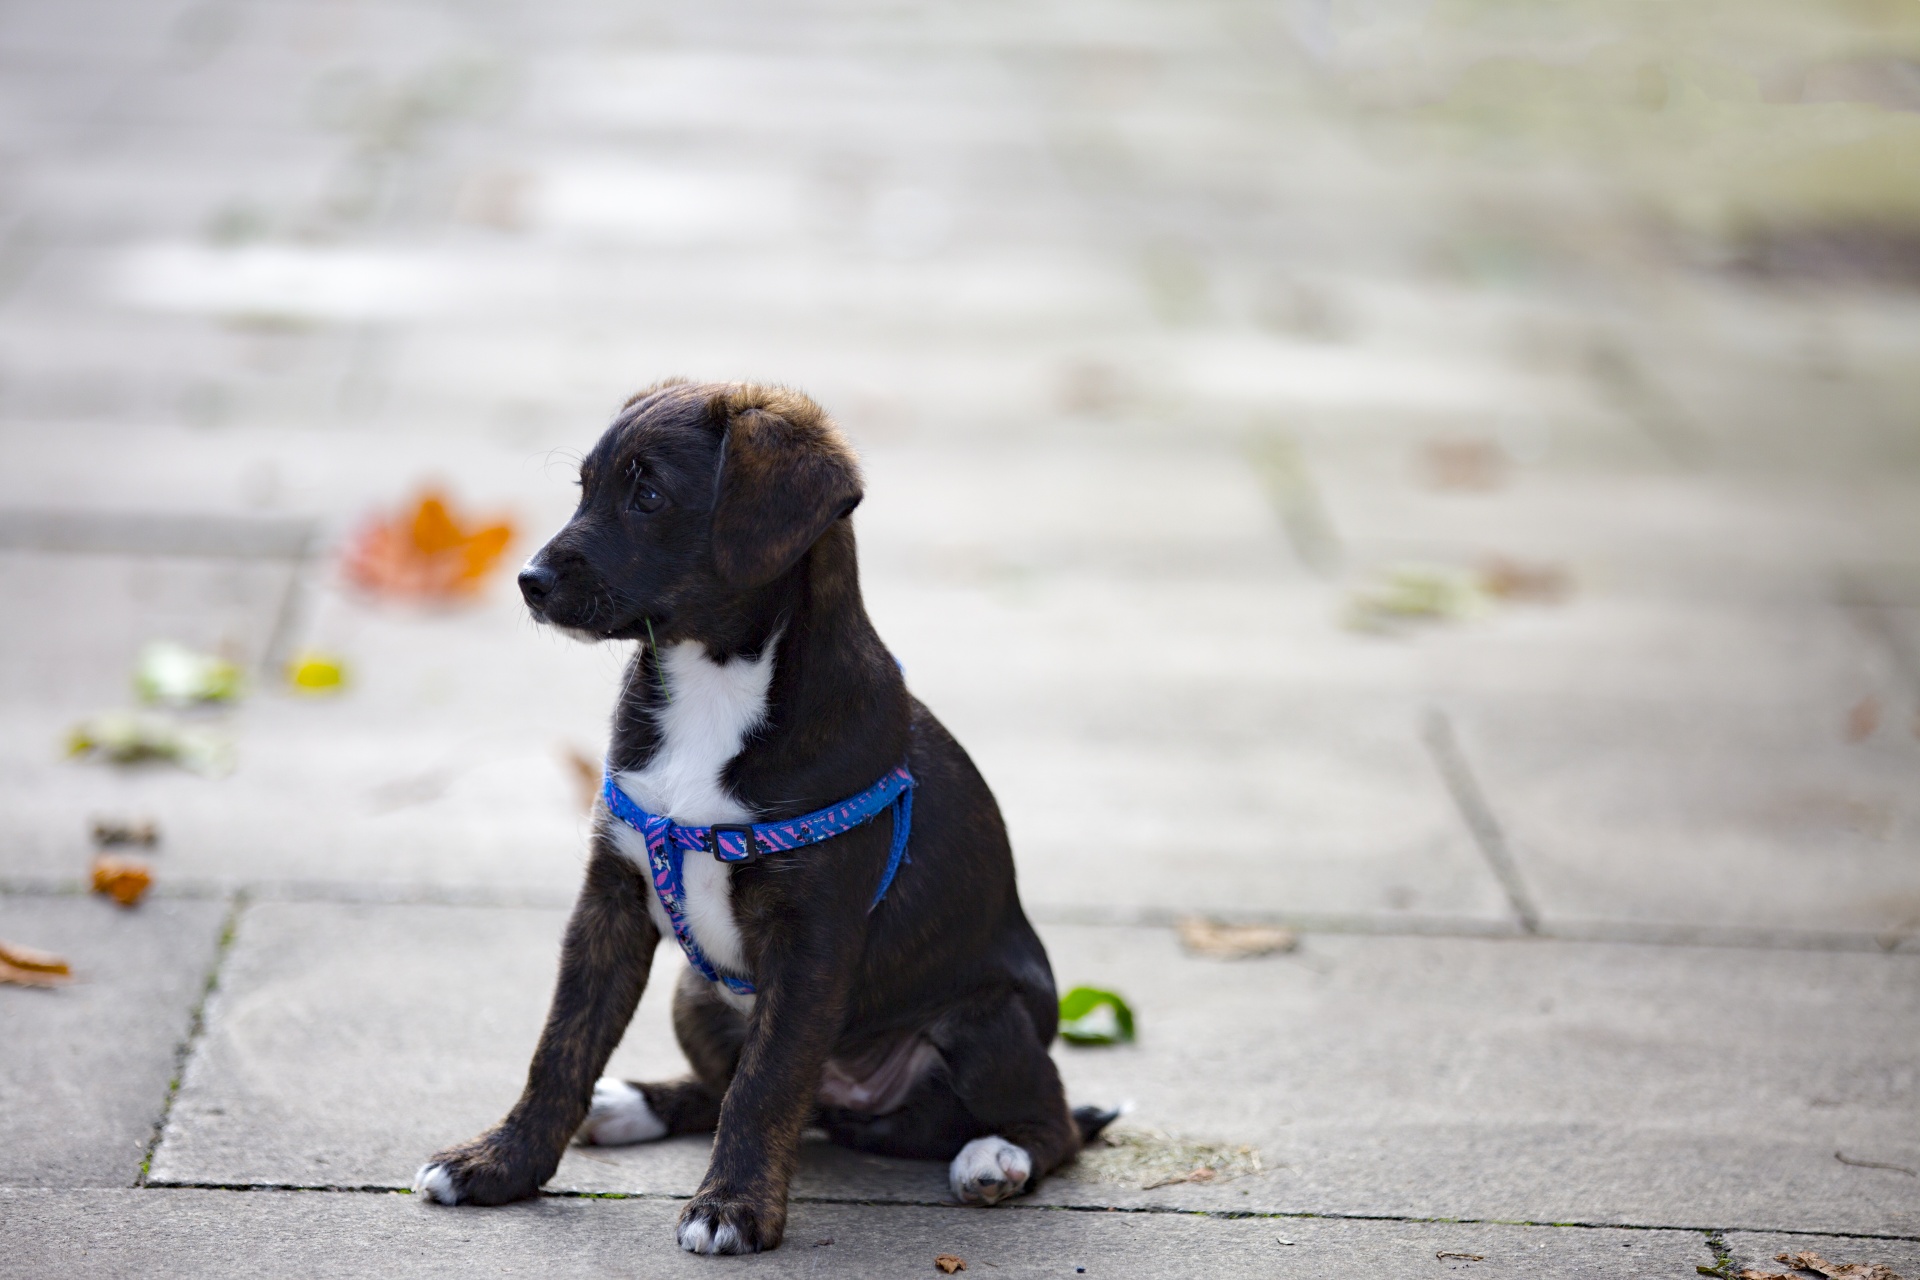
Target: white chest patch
{"x": 710, "y": 709}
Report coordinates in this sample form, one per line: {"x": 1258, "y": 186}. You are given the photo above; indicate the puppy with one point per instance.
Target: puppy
{"x": 894, "y": 996}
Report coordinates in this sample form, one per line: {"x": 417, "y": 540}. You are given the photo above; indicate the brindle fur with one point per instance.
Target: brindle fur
{"x": 753, "y": 546}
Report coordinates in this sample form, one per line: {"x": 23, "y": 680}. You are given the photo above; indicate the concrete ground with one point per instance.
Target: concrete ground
{"x": 1168, "y": 333}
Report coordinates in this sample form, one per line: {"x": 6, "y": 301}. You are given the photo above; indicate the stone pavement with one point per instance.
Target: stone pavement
{"x": 1167, "y": 332}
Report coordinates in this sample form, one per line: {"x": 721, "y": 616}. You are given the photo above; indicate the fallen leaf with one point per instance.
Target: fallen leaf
{"x": 425, "y": 552}
{"x": 1748, "y": 1273}
{"x": 584, "y": 770}
{"x": 123, "y": 879}
{"x": 25, "y": 967}
{"x": 36, "y": 961}
{"x": 130, "y": 737}
{"x": 107, "y": 833}
{"x": 1521, "y": 582}
{"x": 1409, "y": 593}
{"x": 1222, "y": 941}
{"x": 1464, "y": 1257}
{"x": 1457, "y": 463}
{"x": 173, "y": 675}
{"x": 950, "y": 1264}
{"x": 1844, "y": 1158}
{"x": 1863, "y": 719}
{"x": 1808, "y": 1260}
{"x": 313, "y": 672}
{"x": 1089, "y": 1015}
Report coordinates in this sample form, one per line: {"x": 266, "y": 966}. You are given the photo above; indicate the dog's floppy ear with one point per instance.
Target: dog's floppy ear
{"x": 786, "y": 474}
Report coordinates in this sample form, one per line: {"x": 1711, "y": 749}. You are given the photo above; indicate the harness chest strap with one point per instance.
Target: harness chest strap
{"x": 668, "y": 843}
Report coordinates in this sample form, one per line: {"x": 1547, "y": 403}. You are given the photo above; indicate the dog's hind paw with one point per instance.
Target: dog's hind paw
{"x": 988, "y": 1170}
{"x": 619, "y": 1116}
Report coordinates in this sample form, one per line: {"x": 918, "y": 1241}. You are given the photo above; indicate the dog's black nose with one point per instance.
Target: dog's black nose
{"x": 535, "y": 582}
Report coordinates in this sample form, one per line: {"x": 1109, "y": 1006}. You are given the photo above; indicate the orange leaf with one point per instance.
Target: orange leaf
{"x": 125, "y": 880}
{"x": 25, "y": 967}
{"x": 425, "y": 552}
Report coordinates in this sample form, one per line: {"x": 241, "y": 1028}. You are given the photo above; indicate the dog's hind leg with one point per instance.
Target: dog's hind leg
{"x": 999, "y": 1069}
{"x": 710, "y": 1034}
{"x": 932, "y": 1124}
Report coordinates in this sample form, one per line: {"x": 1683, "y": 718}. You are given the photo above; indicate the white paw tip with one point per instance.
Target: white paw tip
{"x": 696, "y": 1236}
{"x": 988, "y": 1170}
{"x": 619, "y": 1115}
{"x": 726, "y": 1239}
{"x": 436, "y": 1184}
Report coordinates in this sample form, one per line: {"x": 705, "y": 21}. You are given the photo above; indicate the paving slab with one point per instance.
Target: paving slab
{"x": 348, "y": 1042}
{"x": 1432, "y": 1077}
{"x": 1760, "y": 1251}
{"x": 85, "y": 1068}
{"x": 1195, "y": 734}
{"x": 445, "y": 763}
{"x": 267, "y": 1233}
{"x": 1655, "y": 812}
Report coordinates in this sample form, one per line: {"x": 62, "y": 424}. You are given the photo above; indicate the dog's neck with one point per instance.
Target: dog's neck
{"x": 836, "y": 708}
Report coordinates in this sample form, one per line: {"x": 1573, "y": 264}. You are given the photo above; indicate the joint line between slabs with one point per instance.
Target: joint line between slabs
{"x": 1611, "y": 933}
{"x": 1225, "y": 1215}
{"x": 1437, "y": 732}
{"x": 196, "y": 1026}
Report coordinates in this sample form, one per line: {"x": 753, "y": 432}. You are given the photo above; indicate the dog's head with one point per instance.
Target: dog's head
{"x": 695, "y": 496}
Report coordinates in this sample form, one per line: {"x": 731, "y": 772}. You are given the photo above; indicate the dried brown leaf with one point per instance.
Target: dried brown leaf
{"x": 1808, "y": 1260}
{"x": 1748, "y": 1273}
{"x": 108, "y": 831}
{"x": 125, "y": 880}
{"x": 1519, "y": 580}
{"x": 34, "y": 961}
{"x": 948, "y": 1263}
{"x": 1219, "y": 940}
{"x": 1457, "y": 463}
{"x": 584, "y": 772}
{"x": 25, "y": 967}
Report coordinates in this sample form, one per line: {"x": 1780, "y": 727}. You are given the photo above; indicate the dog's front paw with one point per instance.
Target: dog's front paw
{"x": 715, "y": 1222}
{"x": 988, "y": 1170}
{"x": 492, "y": 1169}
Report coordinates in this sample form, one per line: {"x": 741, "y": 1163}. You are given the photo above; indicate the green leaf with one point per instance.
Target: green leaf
{"x": 1089, "y": 1015}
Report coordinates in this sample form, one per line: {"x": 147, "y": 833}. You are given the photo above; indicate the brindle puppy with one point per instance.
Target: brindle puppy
{"x": 713, "y": 528}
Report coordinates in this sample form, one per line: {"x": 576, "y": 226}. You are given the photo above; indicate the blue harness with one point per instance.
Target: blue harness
{"x": 668, "y": 843}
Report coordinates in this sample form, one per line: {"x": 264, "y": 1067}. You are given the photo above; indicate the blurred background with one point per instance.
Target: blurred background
{"x": 1240, "y": 386}
{"x": 1411, "y": 467}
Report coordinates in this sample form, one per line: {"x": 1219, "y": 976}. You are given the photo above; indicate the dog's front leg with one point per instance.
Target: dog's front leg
{"x": 802, "y": 980}
{"x": 604, "y": 961}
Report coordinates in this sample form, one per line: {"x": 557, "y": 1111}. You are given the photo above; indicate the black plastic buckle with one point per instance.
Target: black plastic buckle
{"x": 747, "y": 841}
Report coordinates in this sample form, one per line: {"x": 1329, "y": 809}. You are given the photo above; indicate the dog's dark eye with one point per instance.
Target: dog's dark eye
{"x": 641, "y": 495}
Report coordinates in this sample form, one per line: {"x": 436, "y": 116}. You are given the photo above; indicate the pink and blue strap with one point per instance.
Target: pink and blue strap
{"x": 668, "y": 843}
